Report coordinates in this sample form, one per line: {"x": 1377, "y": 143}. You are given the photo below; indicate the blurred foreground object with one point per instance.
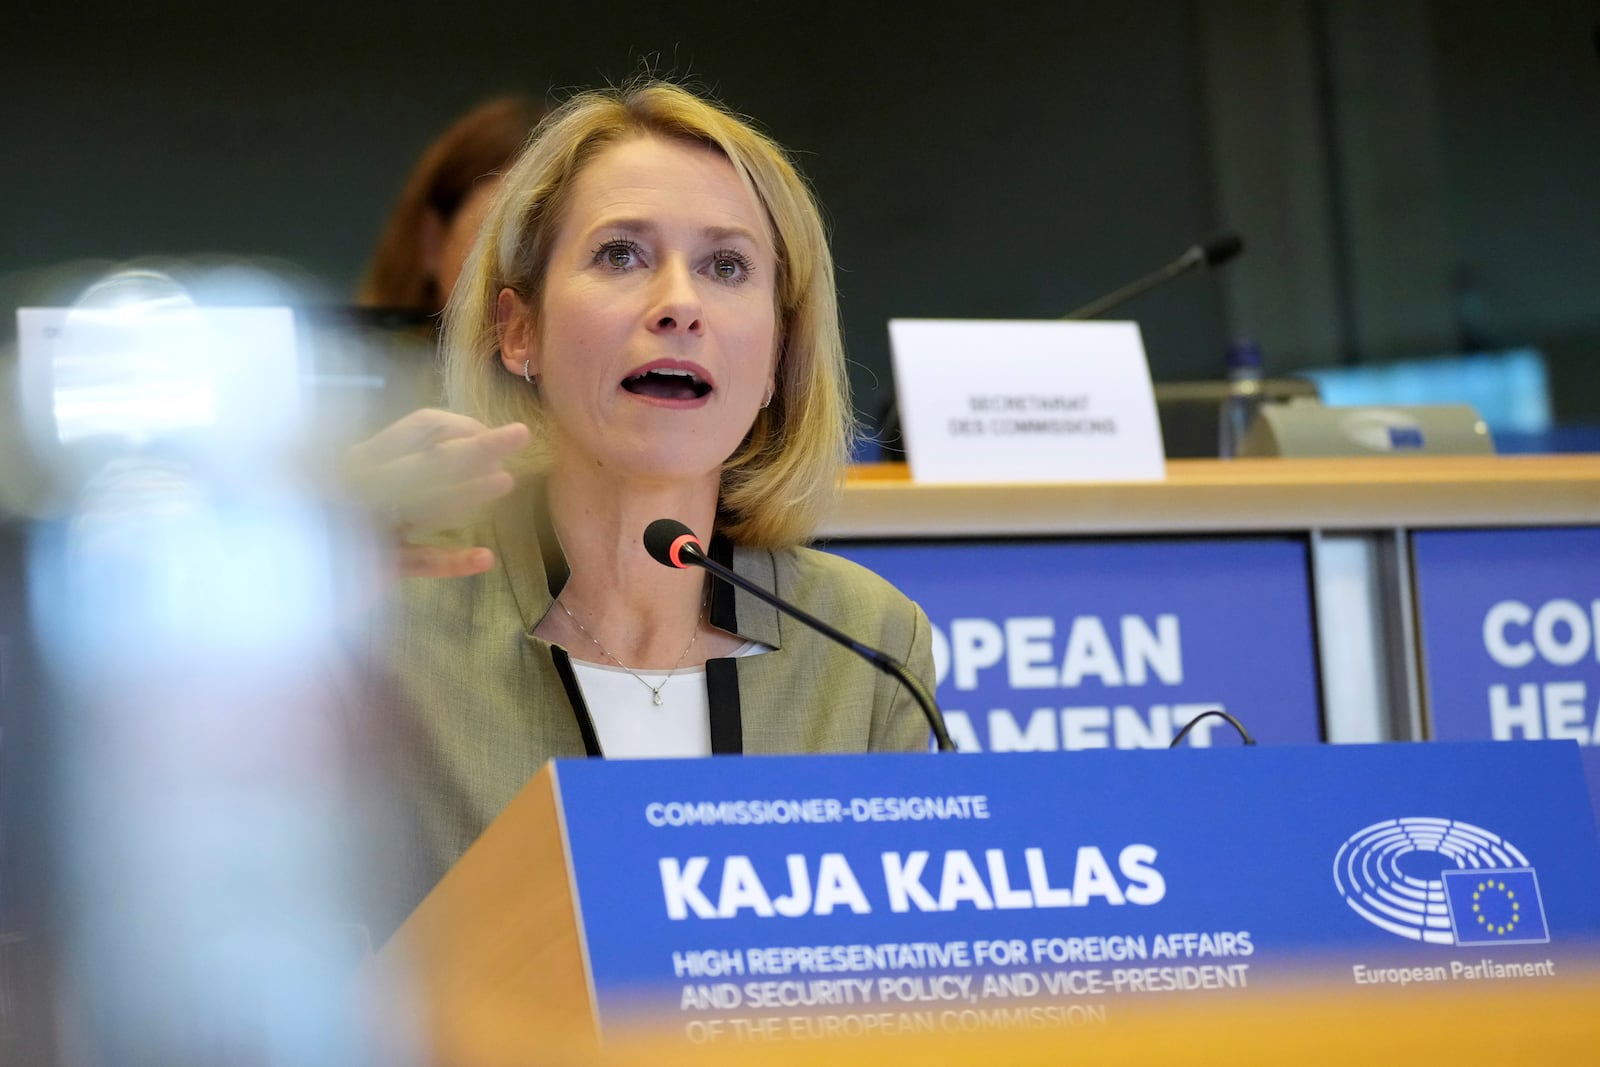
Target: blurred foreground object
{"x": 184, "y": 600}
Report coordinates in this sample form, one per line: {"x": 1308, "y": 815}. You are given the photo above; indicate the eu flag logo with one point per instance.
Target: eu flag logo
{"x": 1495, "y": 907}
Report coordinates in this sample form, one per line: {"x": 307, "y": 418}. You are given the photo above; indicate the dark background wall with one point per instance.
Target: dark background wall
{"x": 1012, "y": 160}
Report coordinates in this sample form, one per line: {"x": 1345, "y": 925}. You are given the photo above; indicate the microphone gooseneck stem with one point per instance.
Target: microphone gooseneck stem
{"x": 1191, "y": 259}
{"x": 1244, "y": 734}
{"x": 691, "y": 554}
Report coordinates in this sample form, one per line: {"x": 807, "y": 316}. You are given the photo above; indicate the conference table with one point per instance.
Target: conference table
{"x": 1206, "y": 495}
{"x": 1387, "y": 582}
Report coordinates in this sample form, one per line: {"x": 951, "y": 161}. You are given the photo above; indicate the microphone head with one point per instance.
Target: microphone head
{"x": 671, "y": 543}
{"x": 1221, "y": 248}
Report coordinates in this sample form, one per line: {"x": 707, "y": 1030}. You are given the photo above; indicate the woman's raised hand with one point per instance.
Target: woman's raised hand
{"x": 429, "y": 471}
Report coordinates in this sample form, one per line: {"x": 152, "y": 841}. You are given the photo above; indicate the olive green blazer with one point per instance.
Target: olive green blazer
{"x": 471, "y": 702}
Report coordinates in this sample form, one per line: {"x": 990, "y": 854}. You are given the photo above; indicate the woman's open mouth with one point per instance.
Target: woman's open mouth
{"x": 668, "y": 383}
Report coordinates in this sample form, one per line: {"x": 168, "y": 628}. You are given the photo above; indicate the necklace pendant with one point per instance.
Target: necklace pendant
{"x": 655, "y": 697}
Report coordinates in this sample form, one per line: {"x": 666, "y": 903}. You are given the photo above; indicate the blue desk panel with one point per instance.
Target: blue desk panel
{"x": 784, "y": 894}
{"x": 1510, "y": 636}
{"x": 1062, "y": 645}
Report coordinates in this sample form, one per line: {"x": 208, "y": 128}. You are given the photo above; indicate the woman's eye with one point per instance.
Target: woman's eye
{"x": 618, "y": 255}
{"x": 731, "y": 266}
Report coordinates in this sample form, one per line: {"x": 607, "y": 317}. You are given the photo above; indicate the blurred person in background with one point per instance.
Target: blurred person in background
{"x": 379, "y": 360}
{"x": 437, "y": 216}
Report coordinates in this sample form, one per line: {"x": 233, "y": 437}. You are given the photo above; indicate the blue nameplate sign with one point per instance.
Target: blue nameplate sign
{"x": 791, "y": 897}
{"x": 1054, "y": 646}
{"x": 1510, "y": 636}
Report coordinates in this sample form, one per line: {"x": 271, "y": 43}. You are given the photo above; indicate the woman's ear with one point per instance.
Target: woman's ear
{"x": 514, "y": 330}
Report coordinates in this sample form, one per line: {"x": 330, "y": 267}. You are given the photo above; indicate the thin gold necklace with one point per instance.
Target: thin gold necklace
{"x": 655, "y": 690}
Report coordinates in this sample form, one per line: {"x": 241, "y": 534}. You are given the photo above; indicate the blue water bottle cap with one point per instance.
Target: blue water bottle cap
{"x": 1243, "y": 354}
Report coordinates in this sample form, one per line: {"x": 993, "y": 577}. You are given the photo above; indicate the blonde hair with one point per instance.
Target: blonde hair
{"x": 783, "y": 475}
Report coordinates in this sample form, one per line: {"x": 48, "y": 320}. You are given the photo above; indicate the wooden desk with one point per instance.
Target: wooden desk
{"x": 1462, "y": 1025}
{"x": 1207, "y": 495}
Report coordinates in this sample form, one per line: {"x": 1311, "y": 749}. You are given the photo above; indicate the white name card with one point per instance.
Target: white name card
{"x": 993, "y": 401}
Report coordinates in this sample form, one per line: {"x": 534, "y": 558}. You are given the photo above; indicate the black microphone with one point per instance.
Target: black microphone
{"x": 673, "y": 544}
{"x": 1212, "y": 252}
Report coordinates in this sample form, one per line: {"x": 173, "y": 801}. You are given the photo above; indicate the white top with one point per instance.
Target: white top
{"x": 627, "y": 720}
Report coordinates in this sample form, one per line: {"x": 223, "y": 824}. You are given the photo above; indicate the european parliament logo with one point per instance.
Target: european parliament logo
{"x": 1441, "y": 881}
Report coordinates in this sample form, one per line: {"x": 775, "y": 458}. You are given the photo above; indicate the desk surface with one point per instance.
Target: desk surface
{"x": 880, "y": 500}
{"x": 1460, "y": 1024}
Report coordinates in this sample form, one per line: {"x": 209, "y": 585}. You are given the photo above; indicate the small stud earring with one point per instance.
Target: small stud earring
{"x": 525, "y": 375}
